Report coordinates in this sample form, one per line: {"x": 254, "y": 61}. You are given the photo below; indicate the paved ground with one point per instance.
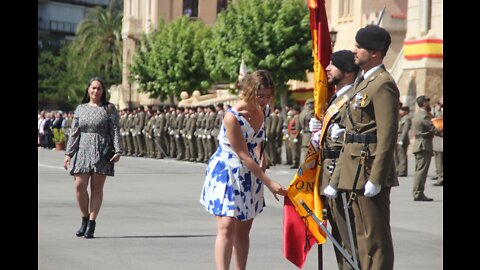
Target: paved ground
{"x": 151, "y": 218}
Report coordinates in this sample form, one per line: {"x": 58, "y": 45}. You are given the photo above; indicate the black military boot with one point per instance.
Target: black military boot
{"x": 90, "y": 229}
{"x": 83, "y": 227}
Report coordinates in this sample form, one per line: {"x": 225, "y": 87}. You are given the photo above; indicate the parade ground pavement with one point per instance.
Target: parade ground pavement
{"x": 151, "y": 218}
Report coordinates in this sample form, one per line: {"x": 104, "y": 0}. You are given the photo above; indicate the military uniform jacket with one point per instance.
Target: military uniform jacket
{"x": 372, "y": 109}
{"x": 403, "y": 128}
{"x": 161, "y": 125}
{"x": 272, "y": 134}
{"x": 199, "y": 125}
{"x": 328, "y": 142}
{"x": 424, "y": 131}
{"x": 217, "y": 123}
{"x": 303, "y": 121}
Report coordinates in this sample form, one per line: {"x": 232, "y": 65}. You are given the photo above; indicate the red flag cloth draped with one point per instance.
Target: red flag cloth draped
{"x": 297, "y": 238}
{"x": 299, "y": 231}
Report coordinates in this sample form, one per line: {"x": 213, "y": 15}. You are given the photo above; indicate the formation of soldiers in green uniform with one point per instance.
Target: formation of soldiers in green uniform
{"x": 190, "y": 133}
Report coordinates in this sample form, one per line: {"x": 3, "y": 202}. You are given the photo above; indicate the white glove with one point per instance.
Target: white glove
{"x": 330, "y": 192}
{"x": 314, "y": 124}
{"x": 337, "y": 132}
{"x": 315, "y": 139}
{"x": 371, "y": 189}
{"x": 400, "y": 143}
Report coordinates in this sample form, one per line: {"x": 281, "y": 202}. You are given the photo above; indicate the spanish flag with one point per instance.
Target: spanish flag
{"x": 300, "y": 231}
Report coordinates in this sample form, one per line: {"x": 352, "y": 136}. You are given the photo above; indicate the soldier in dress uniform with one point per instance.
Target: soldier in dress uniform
{"x": 288, "y": 144}
{"x": 341, "y": 72}
{"x": 148, "y": 132}
{"x": 204, "y": 133}
{"x": 271, "y": 146}
{"x": 422, "y": 147}
{"x": 267, "y": 144}
{"x": 139, "y": 124}
{"x": 171, "y": 131}
{"x": 183, "y": 132}
{"x": 133, "y": 132}
{"x": 304, "y": 118}
{"x": 278, "y": 135}
{"x": 67, "y": 124}
{"x": 128, "y": 134}
{"x": 293, "y": 136}
{"x": 190, "y": 134}
{"x": 160, "y": 133}
{"x": 438, "y": 114}
{"x": 199, "y": 133}
{"x": 218, "y": 122}
{"x": 401, "y": 160}
{"x": 178, "y": 132}
{"x": 366, "y": 168}
{"x": 211, "y": 115}
{"x": 166, "y": 110}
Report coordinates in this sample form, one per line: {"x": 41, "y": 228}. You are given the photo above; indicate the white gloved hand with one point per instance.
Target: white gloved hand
{"x": 314, "y": 124}
{"x": 315, "y": 139}
{"x": 371, "y": 189}
{"x": 337, "y": 132}
{"x": 330, "y": 192}
{"x": 400, "y": 143}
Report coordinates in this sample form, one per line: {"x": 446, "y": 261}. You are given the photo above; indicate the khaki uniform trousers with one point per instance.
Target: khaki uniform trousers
{"x": 401, "y": 159}
{"x": 422, "y": 163}
{"x": 371, "y": 228}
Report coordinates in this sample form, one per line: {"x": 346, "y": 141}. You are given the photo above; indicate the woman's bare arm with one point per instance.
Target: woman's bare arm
{"x": 238, "y": 145}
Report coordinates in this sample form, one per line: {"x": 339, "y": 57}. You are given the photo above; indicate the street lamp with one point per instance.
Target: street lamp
{"x": 333, "y": 37}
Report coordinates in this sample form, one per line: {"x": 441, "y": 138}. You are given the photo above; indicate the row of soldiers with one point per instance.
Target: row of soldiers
{"x": 190, "y": 133}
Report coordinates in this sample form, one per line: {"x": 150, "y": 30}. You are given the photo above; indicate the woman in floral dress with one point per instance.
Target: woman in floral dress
{"x": 233, "y": 188}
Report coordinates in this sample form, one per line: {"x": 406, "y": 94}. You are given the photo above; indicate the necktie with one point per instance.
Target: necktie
{"x": 359, "y": 80}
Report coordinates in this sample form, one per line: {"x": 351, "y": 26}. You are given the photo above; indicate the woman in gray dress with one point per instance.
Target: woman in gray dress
{"x": 94, "y": 145}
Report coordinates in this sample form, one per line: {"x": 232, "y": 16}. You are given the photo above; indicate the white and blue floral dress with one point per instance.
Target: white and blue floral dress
{"x": 230, "y": 188}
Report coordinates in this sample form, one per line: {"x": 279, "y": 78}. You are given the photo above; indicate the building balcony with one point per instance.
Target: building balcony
{"x": 57, "y": 26}
{"x": 90, "y": 3}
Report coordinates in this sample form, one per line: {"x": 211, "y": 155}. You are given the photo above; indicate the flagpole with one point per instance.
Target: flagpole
{"x": 320, "y": 257}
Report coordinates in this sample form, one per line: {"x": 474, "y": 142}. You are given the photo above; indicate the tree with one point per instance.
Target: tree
{"x": 272, "y": 35}
{"x": 99, "y": 43}
{"x": 58, "y": 87}
{"x": 171, "y": 59}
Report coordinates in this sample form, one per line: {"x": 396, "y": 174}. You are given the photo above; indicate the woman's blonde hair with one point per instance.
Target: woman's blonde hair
{"x": 255, "y": 81}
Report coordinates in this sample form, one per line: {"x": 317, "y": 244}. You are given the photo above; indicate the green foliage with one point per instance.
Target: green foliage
{"x": 171, "y": 59}
{"x": 98, "y": 42}
{"x": 96, "y": 51}
{"x": 58, "y": 135}
{"x": 58, "y": 87}
{"x": 272, "y": 35}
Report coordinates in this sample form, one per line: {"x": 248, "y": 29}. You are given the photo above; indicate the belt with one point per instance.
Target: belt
{"x": 424, "y": 136}
{"x": 330, "y": 154}
{"x": 360, "y": 138}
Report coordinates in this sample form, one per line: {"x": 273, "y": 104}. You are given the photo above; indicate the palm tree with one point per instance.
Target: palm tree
{"x": 98, "y": 42}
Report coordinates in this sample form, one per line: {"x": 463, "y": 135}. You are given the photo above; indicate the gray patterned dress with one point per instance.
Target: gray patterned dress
{"x": 90, "y": 138}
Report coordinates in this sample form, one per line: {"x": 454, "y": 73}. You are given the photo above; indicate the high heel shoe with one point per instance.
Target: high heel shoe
{"x": 83, "y": 227}
{"x": 90, "y": 229}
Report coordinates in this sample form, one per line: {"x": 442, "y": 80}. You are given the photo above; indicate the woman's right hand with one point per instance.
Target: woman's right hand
{"x": 66, "y": 162}
{"x": 276, "y": 188}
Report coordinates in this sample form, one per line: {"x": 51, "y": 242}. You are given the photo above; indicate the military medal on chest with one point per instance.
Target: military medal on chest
{"x": 359, "y": 100}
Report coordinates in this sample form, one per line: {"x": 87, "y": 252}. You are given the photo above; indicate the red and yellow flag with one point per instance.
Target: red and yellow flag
{"x": 301, "y": 232}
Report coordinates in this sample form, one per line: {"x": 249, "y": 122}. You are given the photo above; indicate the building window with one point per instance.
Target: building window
{"x": 345, "y": 9}
{"x": 221, "y": 5}
{"x": 190, "y": 8}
